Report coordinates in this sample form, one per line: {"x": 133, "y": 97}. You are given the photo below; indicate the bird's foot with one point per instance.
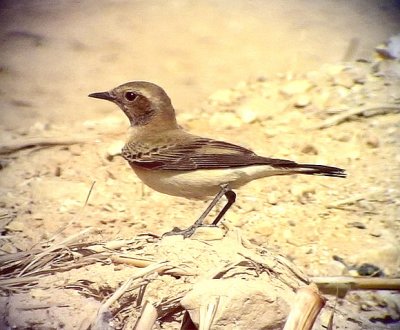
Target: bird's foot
{"x": 186, "y": 233}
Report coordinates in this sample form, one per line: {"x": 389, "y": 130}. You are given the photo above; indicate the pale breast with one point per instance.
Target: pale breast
{"x": 201, "y": 184}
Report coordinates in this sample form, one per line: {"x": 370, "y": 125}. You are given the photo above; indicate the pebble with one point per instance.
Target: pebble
{"x": 16, "y": 226}
{"x": 302, "y": 100}
{"x": 302, "y": 191}
{"x": 247, "y": 115}
{"x": 272, "y": 198}
{"x": 343, "y": 137}
{"x": 372, "y": 141}
{"x": 264, "y": 228}
{"x": 356, "y": 224}
{"x": 317, "y": 78}
{"x": 309, "y": 149}
{"x": 75, "y": 149}
{"x": 223, "y": 96}
{"x": 320, "y": 98}
{"x": 114, "y": 149}
{"x": 344, "y": 79}
{"x": 256, "y": 108}
{"x": 225, "y": 120}
{"x": 296, "y": 87}
{"x": 333, "y": 69}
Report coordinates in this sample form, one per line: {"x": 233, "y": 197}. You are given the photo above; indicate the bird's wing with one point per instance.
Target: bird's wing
{"x": 197, "y": 153}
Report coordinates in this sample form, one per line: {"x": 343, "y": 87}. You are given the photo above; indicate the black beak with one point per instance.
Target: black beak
{"x": 103, "y": 95}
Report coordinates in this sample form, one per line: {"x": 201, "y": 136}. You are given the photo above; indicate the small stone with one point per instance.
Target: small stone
{"x": 272, "y": 198}
{"x": 75, "y": 149}
{"x": 114, "y": 149}
{"x": 372, "y": 141}
{"x": 69, "y": 206}
{"x": 57, "y": 171}
{"x": 257, "y": 108}
{"x": 343, "y": 137}
{"x": 223, "y": 96}
{"x": 375, "y": 234}
{"x": 302, "y": 192}
{"x": 344, "y": 79}
{"x": 317, "y": 78}
{"x": 356, "y": 224}
{"x": 247, "y": 115}
{"x": 264, "y": 228}
{"x": 302, "y": 100}
{"x": 334, "y": 69}
{"x": 8, "y": 248}
{"x": 225, "y": 120}
{"x": 16, "y": 226}
{"x": 296, "y": 87}
{"x": 320, "y": 98}
{"x": 309, "y": 149}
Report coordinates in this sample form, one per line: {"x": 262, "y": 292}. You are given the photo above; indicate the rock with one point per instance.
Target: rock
{"x": 16, "y": 226}
{"x": 223, "y": 97}
{"x": 342, "y": 137}
{"x": 296, "y": 87}
{"x": 344, "y": 79}
{"x": 225, "y": 120}
{"x": 247, "y": 115}
{"x": 264, "y": 228}
{"x": 75, "y": 149}
{"x": 246, "y": 305}
{"x": 372, "y": 141}
{"x": 309, "y": 149}
{"x": 333, "y": 69}
{"x": 302, "y": 192}
{"x": 257, "y": 108}
{"x": 302, "y": 100}
{"x": 320, "y": 98}
{"x": 272, "y": 198}
{"x": 317, "y": 78}
{"x": 114, "y": 149}
{"x": 356, "y": 224}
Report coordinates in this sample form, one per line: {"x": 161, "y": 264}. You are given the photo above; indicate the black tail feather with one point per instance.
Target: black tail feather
{"x": 312, "y": 169}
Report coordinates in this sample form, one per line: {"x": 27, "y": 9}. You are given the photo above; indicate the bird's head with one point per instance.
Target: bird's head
{"x": 143, "y": 103}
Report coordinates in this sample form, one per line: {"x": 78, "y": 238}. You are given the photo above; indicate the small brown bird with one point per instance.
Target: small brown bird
{"x": 174, "y": 162}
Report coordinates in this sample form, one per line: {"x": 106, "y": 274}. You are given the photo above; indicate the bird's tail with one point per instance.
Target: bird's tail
{"x": 312, "y": 169}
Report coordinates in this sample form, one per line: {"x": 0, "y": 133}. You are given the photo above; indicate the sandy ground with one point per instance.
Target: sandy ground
{"x": 228, "y": 68}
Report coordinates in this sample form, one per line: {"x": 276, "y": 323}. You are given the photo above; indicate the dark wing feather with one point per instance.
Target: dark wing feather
{"x": 200, "y": 153}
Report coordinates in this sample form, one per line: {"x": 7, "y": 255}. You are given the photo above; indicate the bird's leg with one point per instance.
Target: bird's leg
{"x": 231, "y": 196}
{"x": 225, "y": 190}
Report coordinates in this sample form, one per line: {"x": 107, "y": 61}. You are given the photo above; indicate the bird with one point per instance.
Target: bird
{"x": 172, "y": 161}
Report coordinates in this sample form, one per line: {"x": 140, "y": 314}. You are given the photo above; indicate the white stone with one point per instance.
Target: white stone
{"x": 296, "y": 87}
{"x": 225, "y": 120}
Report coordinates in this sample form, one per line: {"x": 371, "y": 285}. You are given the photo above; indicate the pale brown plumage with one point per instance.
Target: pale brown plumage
{"x": 175, "y": 162}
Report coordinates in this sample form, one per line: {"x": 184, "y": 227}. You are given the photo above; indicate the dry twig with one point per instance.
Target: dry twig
{"x": 14, "y": 146}
{"x": 366, "y": 111}
{"x": 342, "y": 284}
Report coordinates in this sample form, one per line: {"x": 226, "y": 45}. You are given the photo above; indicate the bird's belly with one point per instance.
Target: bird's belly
{"x": 198, "y": 184}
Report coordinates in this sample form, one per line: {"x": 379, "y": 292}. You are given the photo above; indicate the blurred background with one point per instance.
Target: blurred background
{"x": 53, "y": 53}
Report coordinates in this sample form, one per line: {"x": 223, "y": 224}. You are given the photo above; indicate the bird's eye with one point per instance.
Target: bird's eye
{"x": 130, "y": 96}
